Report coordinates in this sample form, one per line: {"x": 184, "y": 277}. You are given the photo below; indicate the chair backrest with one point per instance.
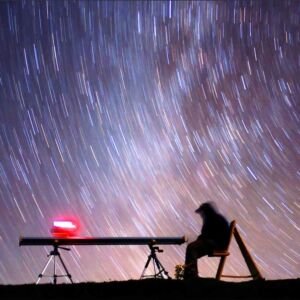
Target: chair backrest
{"x": 231, "y": 231}
{"x": 225, "y": 252}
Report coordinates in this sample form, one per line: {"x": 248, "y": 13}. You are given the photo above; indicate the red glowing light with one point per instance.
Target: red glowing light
{"x": 64, "y": 228}
{"x": 64, "y": 224}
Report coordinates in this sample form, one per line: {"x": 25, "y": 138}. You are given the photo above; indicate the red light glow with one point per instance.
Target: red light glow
{"x": 64, "y": 224}
{"x": 64, "y": 228}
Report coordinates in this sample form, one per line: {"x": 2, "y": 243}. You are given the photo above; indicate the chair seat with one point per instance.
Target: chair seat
{"x": 219, "y": 253}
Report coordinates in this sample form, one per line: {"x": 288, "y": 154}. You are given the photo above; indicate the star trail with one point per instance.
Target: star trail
{"x": 129, "y": 114}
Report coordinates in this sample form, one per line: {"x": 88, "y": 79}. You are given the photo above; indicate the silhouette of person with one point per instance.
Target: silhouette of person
{"x": 214, "y": 236}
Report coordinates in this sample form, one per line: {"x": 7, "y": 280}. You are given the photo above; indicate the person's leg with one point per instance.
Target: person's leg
{"x": 194, "y": 251}
{"x": 190, "y": 269}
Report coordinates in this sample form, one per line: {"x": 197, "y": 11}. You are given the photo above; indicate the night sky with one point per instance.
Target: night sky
{"x": 129, "y": 115}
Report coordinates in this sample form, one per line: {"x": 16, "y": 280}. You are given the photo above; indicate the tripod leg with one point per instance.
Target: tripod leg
{"x": 146, "y": 266}
{"x": 65, "y": 268}
{"x": 154, "y": 267}
{"x": 54, "y": 270}
{"x": 161, "y": 269}
{"x": 44, "y": 270}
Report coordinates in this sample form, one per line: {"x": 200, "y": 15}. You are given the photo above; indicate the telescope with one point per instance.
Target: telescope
{"x": 58, "y": 243}
{"x": 90, "y": 241}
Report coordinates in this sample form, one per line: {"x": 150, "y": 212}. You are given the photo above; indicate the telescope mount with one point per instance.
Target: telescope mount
{"x": 159, "y": 270}
{"x": 54, "y": 255}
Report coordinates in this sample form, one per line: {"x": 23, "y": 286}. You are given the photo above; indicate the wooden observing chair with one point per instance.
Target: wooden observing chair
{"x": 223, "y": 254}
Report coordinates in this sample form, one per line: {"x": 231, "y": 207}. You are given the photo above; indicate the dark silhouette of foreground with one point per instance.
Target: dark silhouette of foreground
{"x": 201, "y": 288}
{"x": 214, "y": 236}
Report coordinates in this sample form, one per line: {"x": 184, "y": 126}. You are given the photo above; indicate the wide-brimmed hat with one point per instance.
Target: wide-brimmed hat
{"x": 199, "y": 209}
{"x": 205, "y": 207}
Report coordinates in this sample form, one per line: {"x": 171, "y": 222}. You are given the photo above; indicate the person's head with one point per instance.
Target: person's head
{"x": 206, "y": 209}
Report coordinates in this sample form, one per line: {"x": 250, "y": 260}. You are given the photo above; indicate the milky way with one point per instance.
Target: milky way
{"x": 128, "y": 115}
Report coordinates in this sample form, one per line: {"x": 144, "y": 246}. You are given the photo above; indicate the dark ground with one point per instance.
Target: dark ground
{"x": 158, "y": 289}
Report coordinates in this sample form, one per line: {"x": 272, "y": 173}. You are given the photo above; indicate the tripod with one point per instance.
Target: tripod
{"x": 52, "y": 256}
{"x": 159, "y": 270}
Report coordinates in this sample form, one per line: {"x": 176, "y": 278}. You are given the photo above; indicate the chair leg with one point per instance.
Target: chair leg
{"x": 220, "y": 267}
